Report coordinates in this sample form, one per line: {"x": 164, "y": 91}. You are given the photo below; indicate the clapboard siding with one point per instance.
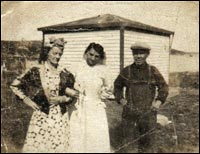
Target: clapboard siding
{"x": 159, "y": 56}
{"x": 78, "y": 42}
{"x": 110, "y": 40}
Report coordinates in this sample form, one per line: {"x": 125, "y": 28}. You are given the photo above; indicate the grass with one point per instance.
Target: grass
{"x": 183, "y": 106}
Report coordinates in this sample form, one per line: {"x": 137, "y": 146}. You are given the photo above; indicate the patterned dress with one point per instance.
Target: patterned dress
{"x": 47, "y": 132}
{"x": 88, "y": 124}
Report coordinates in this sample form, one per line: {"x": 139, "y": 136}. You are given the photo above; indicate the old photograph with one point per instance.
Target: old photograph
{"x": 99, "y": 77}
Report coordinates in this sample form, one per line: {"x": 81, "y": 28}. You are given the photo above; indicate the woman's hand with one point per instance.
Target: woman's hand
{"x": 30, "y": 103}
{"x": 106, "y": 93}
{"x": 72, "y": 92}
{"x": 59, "y": 99}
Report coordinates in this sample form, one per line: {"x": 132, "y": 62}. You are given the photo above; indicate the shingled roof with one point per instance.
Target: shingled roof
{"x": 102, "y": 22}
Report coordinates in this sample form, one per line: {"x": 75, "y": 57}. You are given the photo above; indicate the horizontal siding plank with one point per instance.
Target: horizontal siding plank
{"x": 110, "y": 40}
{"x": 82, "y": 34}
{"x": 77, "y": 44}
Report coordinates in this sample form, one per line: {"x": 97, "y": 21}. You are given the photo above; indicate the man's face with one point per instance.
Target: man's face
{"x": 92, "y": 57}
{"x": 54, "y": 55}
{"x": 140, "y": 57}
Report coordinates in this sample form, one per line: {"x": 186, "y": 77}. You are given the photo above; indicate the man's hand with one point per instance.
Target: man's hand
{"x": 156, "y": 105}
{"x": 30, "y": 103}
{"x": 123, "y": 101}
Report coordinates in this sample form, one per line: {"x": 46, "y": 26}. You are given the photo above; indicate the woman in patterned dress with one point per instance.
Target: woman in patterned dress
{"x": 88, "y": 124}
{"x": 43, "y": 89}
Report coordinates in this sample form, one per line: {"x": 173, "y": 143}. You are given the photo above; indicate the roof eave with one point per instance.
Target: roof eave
{"x": 84, "y": 28}
{"x": 151, "y": 30}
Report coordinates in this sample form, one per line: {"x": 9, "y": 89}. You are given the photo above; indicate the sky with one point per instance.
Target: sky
{"x": 20, "y": 19}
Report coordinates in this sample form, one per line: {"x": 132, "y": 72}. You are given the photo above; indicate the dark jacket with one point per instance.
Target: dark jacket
{"x": 140, "y": 82}
{"x": 31, "y": 86}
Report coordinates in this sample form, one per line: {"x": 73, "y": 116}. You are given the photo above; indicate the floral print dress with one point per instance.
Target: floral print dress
{"x": 47, "y": 133}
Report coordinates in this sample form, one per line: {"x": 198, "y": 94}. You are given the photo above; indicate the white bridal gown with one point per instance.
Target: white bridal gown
{"x": 88, "y": 124}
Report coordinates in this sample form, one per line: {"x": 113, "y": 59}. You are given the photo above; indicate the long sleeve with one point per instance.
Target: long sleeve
{"x": 107, "y": 87}
{"x": 67, "y": 81}
{"x": 72, "y": 71}
{"x": 108, "y": 82}
{"x": 119, "y": 84}
{"x": 19, "y": 85}
{"x": 161, "y": 84}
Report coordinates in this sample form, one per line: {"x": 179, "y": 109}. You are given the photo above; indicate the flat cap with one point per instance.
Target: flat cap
{"x": 140, "y": 45}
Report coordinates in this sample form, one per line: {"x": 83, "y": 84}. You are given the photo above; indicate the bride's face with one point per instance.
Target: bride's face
{"x": 92, "y": 57}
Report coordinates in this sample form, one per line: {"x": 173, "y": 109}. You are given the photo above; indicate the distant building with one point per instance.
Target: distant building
{"x": 184, "y": 61}
{"x": 116, "y": 34}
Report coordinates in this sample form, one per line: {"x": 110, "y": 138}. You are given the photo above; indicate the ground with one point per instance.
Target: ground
{"x": 182, "y": 107}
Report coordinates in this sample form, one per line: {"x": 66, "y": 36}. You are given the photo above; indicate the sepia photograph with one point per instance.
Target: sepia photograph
{"x": 99, "y": 76}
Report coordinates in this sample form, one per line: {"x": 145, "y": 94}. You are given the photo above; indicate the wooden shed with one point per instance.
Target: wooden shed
{"x": 116, "y": 34}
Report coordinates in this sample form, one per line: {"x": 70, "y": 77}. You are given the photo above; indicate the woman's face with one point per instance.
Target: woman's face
{"x": 92, "y": 57}
{"x": 54, "y": 55}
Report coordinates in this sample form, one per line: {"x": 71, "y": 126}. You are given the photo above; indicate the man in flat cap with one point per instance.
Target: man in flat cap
{"x": 140, "y": 81}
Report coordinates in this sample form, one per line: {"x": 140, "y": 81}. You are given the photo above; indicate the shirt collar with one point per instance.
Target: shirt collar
{"x": 140, "y": 66}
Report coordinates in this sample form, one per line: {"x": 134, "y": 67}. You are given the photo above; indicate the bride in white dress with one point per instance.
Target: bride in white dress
{"x": 89, "y": 130}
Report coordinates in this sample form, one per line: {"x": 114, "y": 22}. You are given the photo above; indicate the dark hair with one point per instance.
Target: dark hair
{"x": 98, "y": 48}
{"x": 44, "y": 54}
